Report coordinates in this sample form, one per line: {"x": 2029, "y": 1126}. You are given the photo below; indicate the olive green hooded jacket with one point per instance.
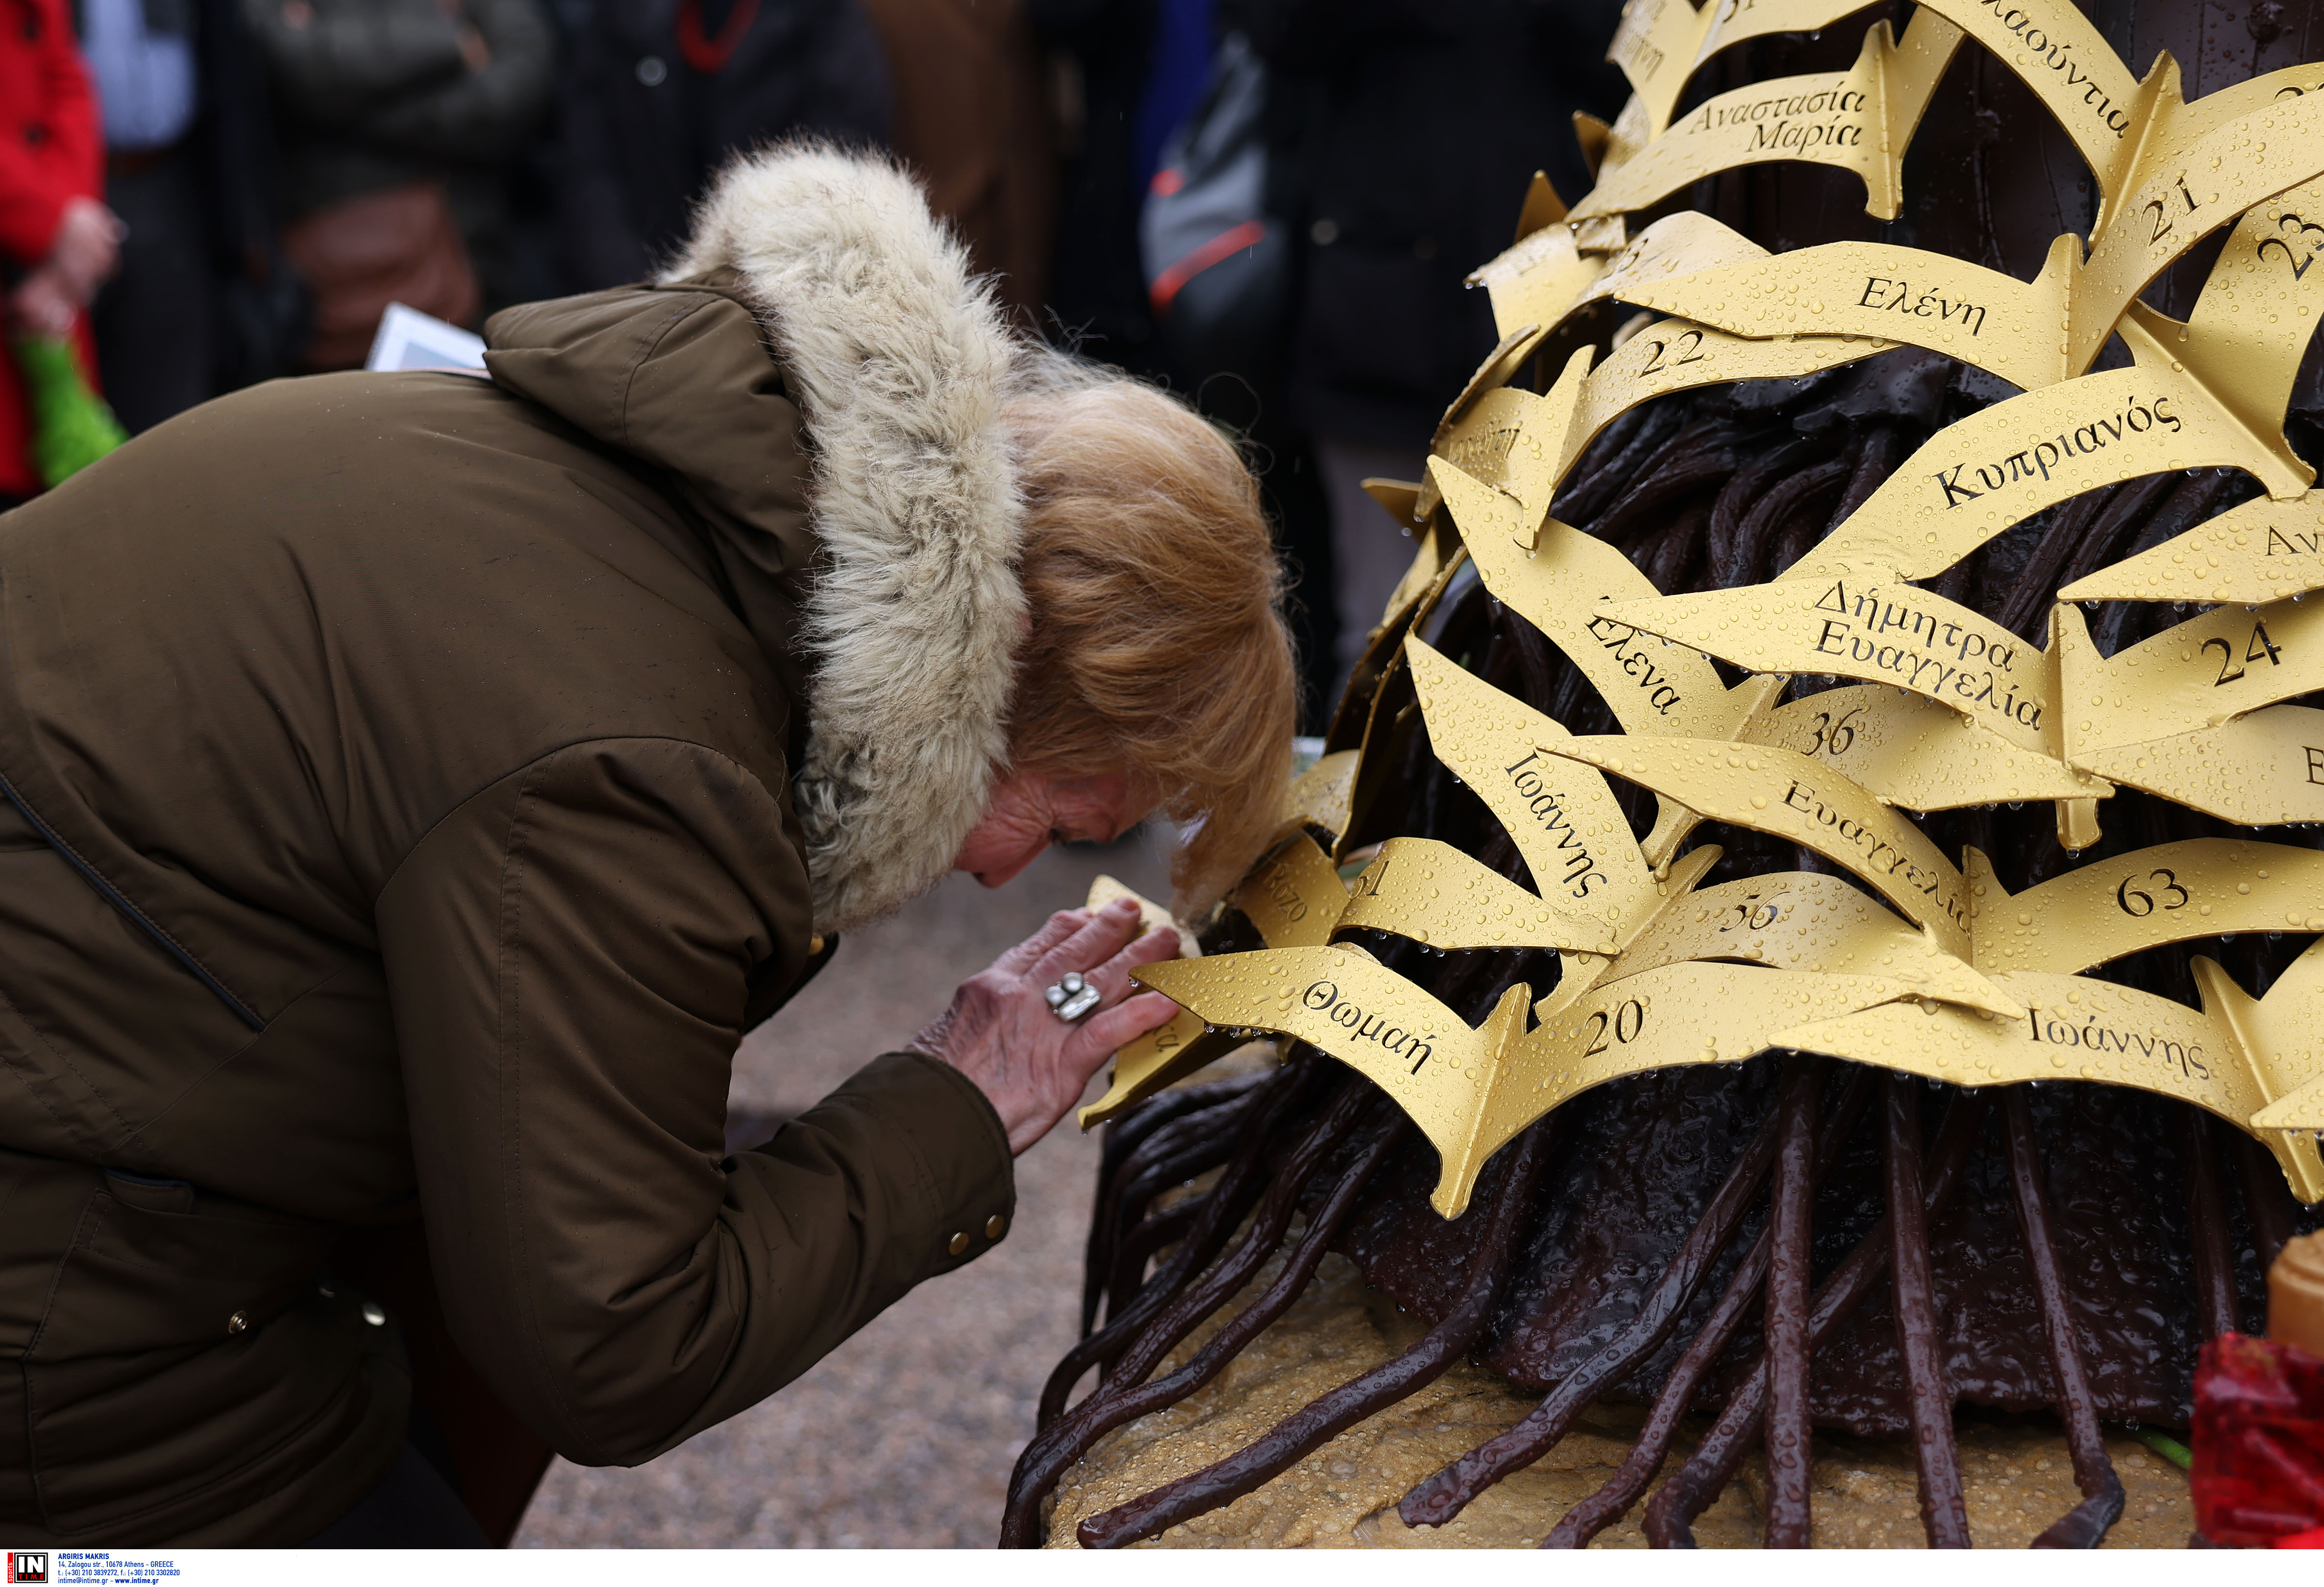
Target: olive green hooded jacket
{"x": 415, "y": 785}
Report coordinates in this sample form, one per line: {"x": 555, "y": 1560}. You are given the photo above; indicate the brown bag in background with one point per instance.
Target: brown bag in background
{"x": 397, "y": 245}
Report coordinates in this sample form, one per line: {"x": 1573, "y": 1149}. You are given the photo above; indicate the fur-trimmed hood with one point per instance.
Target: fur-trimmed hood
{"x": 900, "y": 359}
{"x": 861, "y": 493}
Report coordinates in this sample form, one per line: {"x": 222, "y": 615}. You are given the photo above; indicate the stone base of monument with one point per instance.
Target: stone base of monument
{"x": 2018, "y": 1476}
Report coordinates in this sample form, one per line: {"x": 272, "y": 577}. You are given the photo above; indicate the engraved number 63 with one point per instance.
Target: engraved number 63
{"x": 2125, "y": 894}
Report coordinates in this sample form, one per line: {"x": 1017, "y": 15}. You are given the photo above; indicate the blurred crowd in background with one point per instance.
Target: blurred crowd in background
{"x": 1269, "y": 204}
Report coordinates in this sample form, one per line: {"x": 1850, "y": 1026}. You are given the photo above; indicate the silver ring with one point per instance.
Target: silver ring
{"x": 1072, "y": 997}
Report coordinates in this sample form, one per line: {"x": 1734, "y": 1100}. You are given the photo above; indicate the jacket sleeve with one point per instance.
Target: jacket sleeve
{"x": 567, "y": 955}
{"x": 350, "y": 63}
{"x": 485, "y": 114}
{"x": 39, "y": 176}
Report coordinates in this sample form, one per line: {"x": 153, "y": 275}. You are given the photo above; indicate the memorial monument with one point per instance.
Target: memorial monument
{"x": 1807, "y": 921}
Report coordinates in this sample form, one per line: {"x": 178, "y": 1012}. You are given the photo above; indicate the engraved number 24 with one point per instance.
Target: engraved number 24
{"x": 2258, "y": 647}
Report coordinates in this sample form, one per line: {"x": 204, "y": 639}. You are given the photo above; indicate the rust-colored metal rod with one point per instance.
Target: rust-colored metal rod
{"x": 1150, "y": 1235}
{"x": 1671, "y": 1512}
{"x": 1358, "y": 1101}
{"x": 1066, "y": 1441}
{"x": 2085, "y": 1525}
{"x": 1782, "y": 501}
{"x": 1791, "y": 1221}
{"x": 2207, "y": 1224}
{"x": 1124, "y": 1139}
{"x": 1223, "y": 1208}
{"x": 1612, "y": 461}
{"x": 1699, "y": 464}
{"x": 1614, "y": 1499}
{"x": 1440, "y": 1497}
{"x": 1928, "y": 1396}
{"x": 1747, "y": 486}
{"x": 2266, "y": 1202}
{"x": 1322, "y": 1420}
{"x": 1141, "y": 1234}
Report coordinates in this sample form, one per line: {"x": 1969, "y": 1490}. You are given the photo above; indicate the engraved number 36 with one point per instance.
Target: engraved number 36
{"x": 1833, "y": 737}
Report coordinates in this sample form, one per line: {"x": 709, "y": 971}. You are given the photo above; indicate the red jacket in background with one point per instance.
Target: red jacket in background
{"x": 50, "y": 153}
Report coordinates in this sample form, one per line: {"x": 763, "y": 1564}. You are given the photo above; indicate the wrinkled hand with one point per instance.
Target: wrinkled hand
{"x": 1000, "y": 1033}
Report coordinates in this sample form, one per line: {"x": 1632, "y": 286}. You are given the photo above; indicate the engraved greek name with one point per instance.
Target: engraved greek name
{"x": 1630, "y": 47}
{"x": 2060, "y": 58}
{"x": 1485, "y": 455}
{"x": 1785, "y": 110}
{"x": 1966, "y": 482}
{"x": 1580, "y": 865}
{"x": 1323, "y": 997}
{"x": 2315, "y": 762}
{"x": 2045, "y": 1028}
{"x": 1283, "y": 891}
{"x": 1638, "y": 663}
{"x": 1797, "y": 138}
{"x": 1897, "y": 297}
{"x": 1941, "y": 659}
{"x": 1876, "y": 852}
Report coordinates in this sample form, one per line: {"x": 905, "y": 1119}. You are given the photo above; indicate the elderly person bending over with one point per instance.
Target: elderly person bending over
{"x": 416, "y": 784}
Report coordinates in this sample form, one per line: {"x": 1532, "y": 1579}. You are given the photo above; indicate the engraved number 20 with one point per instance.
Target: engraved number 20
{"x": 1626, "y": 1024}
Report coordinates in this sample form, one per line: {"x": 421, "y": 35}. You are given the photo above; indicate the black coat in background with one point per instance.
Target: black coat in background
{"x": 642, "y": 131}
{"x": 1415, "y": 126}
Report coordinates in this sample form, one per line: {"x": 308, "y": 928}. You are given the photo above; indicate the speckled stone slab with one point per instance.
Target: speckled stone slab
{"x": 1343, "y": 1496}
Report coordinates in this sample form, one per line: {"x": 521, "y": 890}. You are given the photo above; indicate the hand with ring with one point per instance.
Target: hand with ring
{"x": 1032, "y": 1030}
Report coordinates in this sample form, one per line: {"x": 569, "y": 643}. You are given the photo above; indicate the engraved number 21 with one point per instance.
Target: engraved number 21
{"x": 2158, "y": 206}
{"x": 2259, "y": 647}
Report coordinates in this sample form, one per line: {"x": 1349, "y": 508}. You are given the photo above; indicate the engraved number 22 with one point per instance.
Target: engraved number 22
{"x": 1686, "y": 343}
{"x": 2259, "y": 647}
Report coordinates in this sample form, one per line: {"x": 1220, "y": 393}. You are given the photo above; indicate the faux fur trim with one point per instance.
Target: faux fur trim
{"x": 900, "y": 359}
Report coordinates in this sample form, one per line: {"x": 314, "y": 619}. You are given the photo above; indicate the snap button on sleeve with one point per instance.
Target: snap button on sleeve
{"x": 959, "y": 1243}
{"x": 995, "y": 1226}
{"x": 373, "y": 1315}
{"x": 238, "y": 1323}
